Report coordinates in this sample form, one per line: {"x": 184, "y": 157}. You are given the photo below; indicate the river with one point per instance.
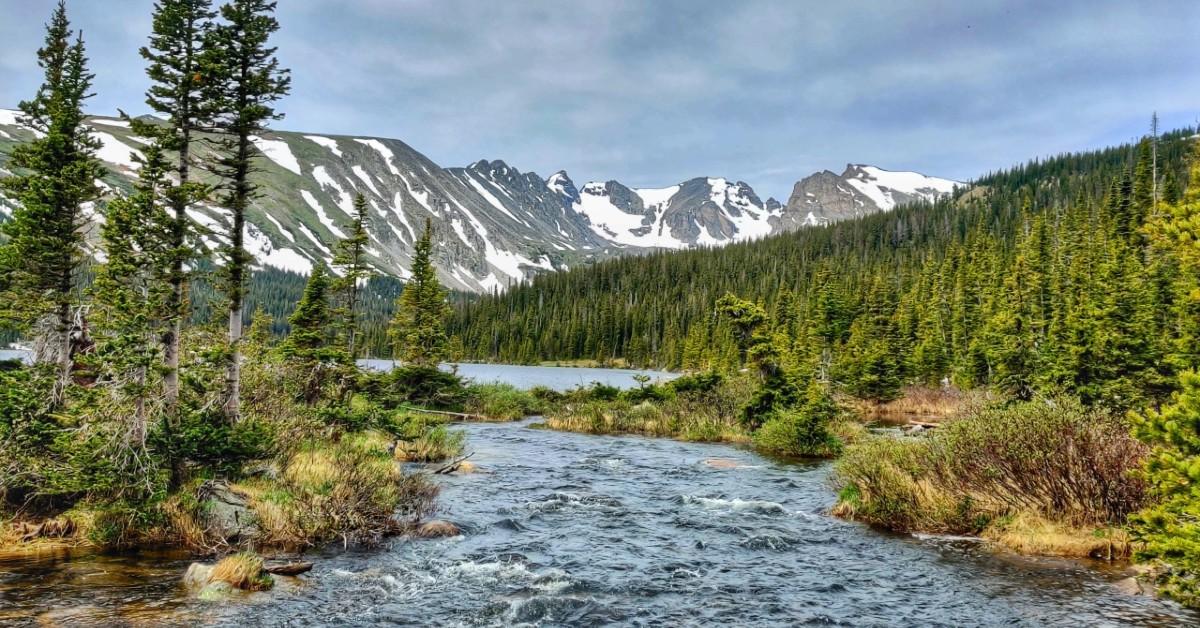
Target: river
{"x": 570, "y": 529}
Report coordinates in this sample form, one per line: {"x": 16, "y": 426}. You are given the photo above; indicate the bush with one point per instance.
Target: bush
{"x": 423, "y": 386}
{"x": 696, "y": 382}
{"x": 1055, "y": 461}
{"x": 502, "y": 402}
{"x": 208, "y": 438}
{"x": 1053, "y": 458}
{"x": 803, "y": 430}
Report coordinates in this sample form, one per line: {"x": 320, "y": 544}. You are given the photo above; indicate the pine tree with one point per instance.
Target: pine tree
{"x": 45, "y": 244}
{"x": 418, "y": 329}
{"x": 246, "y": 82}
{"x": 177, "y": 92}
{"x": 132, "y": 304}
{"x": 306, "y": 346}
{"x": 350, "y": 257}
{"x": 1169, "y": 529}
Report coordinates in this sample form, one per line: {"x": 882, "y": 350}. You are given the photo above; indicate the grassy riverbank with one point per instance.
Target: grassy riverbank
{"x": 1043, "y": 477}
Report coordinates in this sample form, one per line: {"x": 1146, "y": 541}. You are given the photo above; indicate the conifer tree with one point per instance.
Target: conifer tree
{"x": 177, "y": 92}
{"x": 1169, "y": 529}
{"x": 350, "y": 257}
{"x": 306, "y": 346}
{"x": 56, "y": 178}
{"x": 131, "y": 302}
{"x": 246, "y": 82}
{"x": 418, "y": 329}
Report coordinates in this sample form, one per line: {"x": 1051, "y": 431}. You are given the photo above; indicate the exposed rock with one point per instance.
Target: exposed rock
{"x": 226, "y": 512}
{"x": 1130, "y": 586}
{"x": 197, "y": 576}
{"x": 466, "y": 466}
{"x": 722, "y": 463}
{"x": 436, "y": 529}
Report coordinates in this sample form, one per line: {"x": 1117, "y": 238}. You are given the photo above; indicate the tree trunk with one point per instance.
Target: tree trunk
{"x": 62, "y": 332}
{"x": 172, "y": 339}
{"x": 233, "y": 375}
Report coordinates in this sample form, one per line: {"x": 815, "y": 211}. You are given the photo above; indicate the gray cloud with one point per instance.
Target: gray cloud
{"x": 652, "y": 92}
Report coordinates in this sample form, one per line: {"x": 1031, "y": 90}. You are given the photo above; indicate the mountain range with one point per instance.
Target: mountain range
{"x": 494, "y": 225}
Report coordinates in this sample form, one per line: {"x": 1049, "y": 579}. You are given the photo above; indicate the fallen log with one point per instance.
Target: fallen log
{"x": 463, "y": 416}
{"x": 288, "y": 569}
{"x": 453, "y": 466}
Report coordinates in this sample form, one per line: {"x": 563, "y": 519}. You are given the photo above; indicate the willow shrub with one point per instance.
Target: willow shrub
{"x": 1055, "y": 459}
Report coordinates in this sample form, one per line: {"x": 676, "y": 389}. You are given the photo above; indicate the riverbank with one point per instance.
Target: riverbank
{"x": 575, "y": 529}
{"x": 1045, "y": 478}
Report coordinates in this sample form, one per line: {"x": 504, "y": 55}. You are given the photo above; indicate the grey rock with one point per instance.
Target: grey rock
{"x": 225, "y": 512}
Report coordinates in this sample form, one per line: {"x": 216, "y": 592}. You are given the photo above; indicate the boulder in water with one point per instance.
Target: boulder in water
{"x": 436, "y": 529}
{"x": 197, "y": 576}
{"x": 722, "y": 463}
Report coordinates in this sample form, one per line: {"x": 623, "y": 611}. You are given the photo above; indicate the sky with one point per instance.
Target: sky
{"x": 654, "y": 92}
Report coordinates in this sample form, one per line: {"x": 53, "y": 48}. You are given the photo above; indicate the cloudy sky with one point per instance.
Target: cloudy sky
{"x": 651, "y": 92}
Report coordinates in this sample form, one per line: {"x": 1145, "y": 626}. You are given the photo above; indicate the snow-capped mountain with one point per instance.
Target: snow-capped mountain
{"x": 494, "y": 225}
{"x": 826, "y": 197}
{"x": 701, "y": 211}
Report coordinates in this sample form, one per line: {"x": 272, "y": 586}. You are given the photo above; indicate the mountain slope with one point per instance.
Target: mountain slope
{"x": 495, "y": 226}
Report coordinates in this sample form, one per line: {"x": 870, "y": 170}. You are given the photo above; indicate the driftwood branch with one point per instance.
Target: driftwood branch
{"x": 462, "y": 416}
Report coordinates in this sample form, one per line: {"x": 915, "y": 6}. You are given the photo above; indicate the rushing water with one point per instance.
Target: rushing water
{"x": 569, "y": 529}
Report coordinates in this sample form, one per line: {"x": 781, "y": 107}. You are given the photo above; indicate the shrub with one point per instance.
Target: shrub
{"x": 208, "y": 438}
{"x": 802, "y": 430}
{"x": 416, "y": 385}
{"x": 1054, "y": 458}
{"x": 502, "y": 402}
{"x": 1054, "y": 461}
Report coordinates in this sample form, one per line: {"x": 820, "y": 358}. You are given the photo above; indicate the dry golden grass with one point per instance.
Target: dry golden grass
{"x": 921, "y": 402}
{"x": 1031, "y": 534}
{"x": 312, "y": 469}
{"x": 182, "y": 521}
{"x": 242, "y": 571}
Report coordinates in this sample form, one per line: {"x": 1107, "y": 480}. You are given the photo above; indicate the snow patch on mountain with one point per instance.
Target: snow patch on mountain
{"x": 657, "y": 197}
{"x": 327, "y": 142}
{"x": 879, "y": 185}
{"x": 116, "y": 152}
{"x": 388, "y": 156}
{"x": 344, "y": 200}
{"x": 121, "y": 124}
{"x": 277, "y": 151}
{"x": 321, "y": 215}
{"x": 362, "y": 175}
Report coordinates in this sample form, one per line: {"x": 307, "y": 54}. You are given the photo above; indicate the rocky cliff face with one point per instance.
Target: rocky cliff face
{"x": 494, "y": 225}
{"x": 826, "y": 197}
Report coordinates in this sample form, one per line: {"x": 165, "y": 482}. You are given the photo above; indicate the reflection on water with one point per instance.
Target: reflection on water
{"x": 569, "y": 529}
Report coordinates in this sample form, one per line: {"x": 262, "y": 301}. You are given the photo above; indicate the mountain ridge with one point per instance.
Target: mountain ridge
{"x": 495, "y": 225}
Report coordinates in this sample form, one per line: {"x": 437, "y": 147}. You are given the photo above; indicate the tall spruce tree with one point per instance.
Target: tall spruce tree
{"x": 57, "y": 174}
{"x": 418, "y": 329}
{"x": 246, "y": 81}
{"x": 131, "y": 303}
{"x": 350, "y": 257}
{"x": 306, "y": 346}
{"x": 177, "y": 92}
